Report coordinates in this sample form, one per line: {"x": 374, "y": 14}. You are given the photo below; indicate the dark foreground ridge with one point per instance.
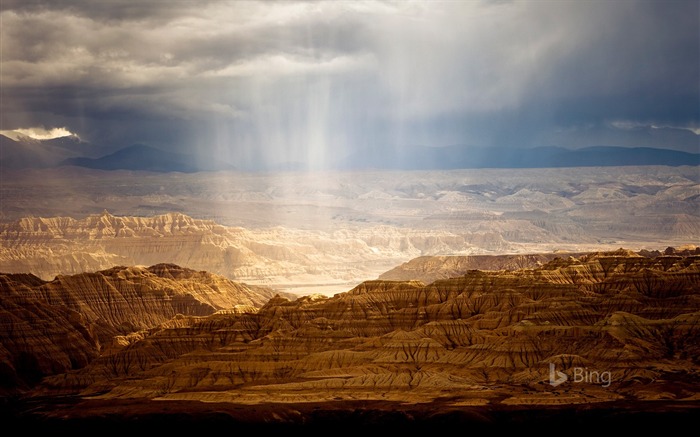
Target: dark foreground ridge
{"x": 75, "y": 414}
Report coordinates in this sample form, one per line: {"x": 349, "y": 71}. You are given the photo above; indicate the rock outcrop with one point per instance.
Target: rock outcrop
{"x": 47, "y": 247}
{"x": 431, "y": 268}
{"x": 50, "y": 327}
{"x": 428, "y": 269}
{"x": 37, "y": 338}
{"x": 619, "y": 325}
{"x": 280, "y": 257}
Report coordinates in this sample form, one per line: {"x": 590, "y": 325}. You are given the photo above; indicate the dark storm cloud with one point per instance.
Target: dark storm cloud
{"x": 312, "y": 81}
{"x": 108, "y": 11}
{"x": 639, "y": 60}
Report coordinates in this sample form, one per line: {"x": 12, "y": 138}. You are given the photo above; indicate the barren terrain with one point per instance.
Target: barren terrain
{"x": 620, "y": 329}
{"x": 325, "y": 232}
{"x": 419, "y": 298}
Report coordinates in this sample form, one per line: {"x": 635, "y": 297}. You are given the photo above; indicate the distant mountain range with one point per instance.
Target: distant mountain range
{"x": 456, "y": 157}
{"x": 28, "y": 152}
{"x": 146, "y": 158}
{"x": 31, "y": 153}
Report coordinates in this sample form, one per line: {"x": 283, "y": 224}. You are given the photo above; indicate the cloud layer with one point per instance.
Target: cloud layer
{"x": 267, "y": 83}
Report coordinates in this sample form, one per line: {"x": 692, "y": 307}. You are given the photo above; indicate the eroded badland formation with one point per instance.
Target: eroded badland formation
{"x": 341, "y": 300}
{"x": 622, "y": 327}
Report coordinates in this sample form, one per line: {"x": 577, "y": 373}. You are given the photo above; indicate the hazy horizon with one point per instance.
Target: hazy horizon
{"x": 328, "y": 231}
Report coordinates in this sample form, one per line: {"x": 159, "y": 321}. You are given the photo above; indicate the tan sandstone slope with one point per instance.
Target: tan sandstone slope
{"x": 334, "y": 259}
{"x": 631, "y": 324}
{"x": 49, "y": 327}
{"x": 431, "y": 268}
{"x": 47, "y": 247}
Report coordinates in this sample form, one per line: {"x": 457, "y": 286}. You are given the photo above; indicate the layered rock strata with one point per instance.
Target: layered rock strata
{"x": 619, "y": 325}
{"x": 50, "y": 327}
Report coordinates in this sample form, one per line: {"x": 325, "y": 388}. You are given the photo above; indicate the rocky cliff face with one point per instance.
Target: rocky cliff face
{"x": 431, "y": 268}
{"x": 618, "y": 325}
{"x": 276, "y": 256}
{"x": 50, "y": 327}
{"x": 48, "y": 247}
{"x": 38, "y": 338}
{"x": 60, "y": 245}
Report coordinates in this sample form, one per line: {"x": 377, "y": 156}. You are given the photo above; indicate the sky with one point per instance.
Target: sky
{"x": 270, "y": 83}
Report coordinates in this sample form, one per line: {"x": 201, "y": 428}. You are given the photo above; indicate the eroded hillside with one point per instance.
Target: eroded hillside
{"x": 631, "y": 324}
{"x": 295, "y": 230}
{"x": 47, "y": 247}
{"x": 50, "y": 327}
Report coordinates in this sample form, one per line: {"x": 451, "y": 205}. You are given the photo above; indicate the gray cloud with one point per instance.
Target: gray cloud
{"x": 112, "y": 11}
{"x": 312, "y": 81}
